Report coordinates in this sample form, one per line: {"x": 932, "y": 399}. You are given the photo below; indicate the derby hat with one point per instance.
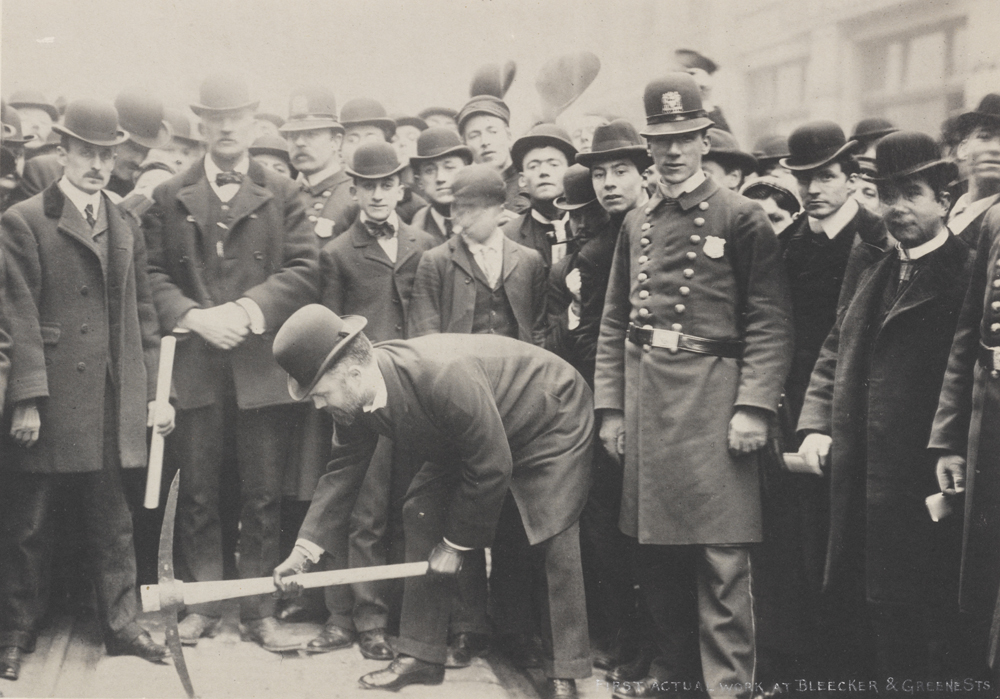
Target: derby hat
{"x": 540, "y": 136}
{"x": 688, "y": 58}
{"x": 673, "y": 106}
{"x": 182, "y": 127}
{"x": 905, "y": 153}
{"x": 223, "y": 93}
{"x": 311, "y": 108}
{"x": 92, "y": 121}
{"x": 270, "y": 145}
{"x": 11, "y": 121}
{"x": 619, "y": 139}
{"x": 871, "y": 129}
{"x": 725, "y": 150}
{"x": 816, "y": 144}
{"x": 309, "y": 343}
{"x": 142, "y": 115}
{"x": 374, "y": 160}
{"x": 770, "y": 149}
{"x": 438, "y": 111}
{"x": 987, "y": 113}
{"x": 439, "y": 142}
{"x": 33, "y": 100}
{"x": 578, "y": 189}
{"x": 363, "y": 111}
{"x": 481, "y": 183}
{"x": 489, "y": 105}
{"x": 415, "y": 122}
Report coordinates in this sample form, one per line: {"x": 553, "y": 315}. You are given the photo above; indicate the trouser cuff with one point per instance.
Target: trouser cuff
{"x": 25, "y": 640}
{"x": 428, "y": 652}
{"x": 344, "y": 621}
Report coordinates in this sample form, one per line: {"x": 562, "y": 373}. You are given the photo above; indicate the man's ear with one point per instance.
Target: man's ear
{"x": 853, "y": 182}
{"x": 944, "y": 199}
{"x": 521, "y": 182}
{"x": 354, "y": 193}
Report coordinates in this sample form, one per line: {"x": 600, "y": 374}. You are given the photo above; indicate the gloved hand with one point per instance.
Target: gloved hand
{"x": 445, "y": 559}
{"x": 297, "y": 562}
{"x": 951, "y": 474}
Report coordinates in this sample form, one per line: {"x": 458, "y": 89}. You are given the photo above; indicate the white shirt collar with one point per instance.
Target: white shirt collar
{"x": 965, "y": 212}
{"x": 381, "y": 398}
{"x": 924, "y": 248}
{"x": 834, "y": 224}
{"x": 393, "y": 221}
{"x": 689, "y": 185}
{"x": 318, "y": 177}
{"x": 211, "y": 169}
{"x": 80, "y": 198}
{"x": 541, "y": 219}
{"x": 494, "y": 243}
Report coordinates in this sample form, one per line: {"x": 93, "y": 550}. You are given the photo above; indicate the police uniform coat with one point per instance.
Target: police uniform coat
{"x": 708, "y": 266}
{"x": 330, "y": 207}
{"x": 78, "y": 321}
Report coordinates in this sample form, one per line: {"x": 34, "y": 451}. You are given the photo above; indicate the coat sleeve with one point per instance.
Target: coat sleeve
{"x": 817, "y": 408}
{"x": 557, "y": 301}
{"x": 425, "y": 302}
{"x": 171, "y": 302}
{"x": 149, "y": 325}
{"x": 5, "y": 342}
{"x": 539, "y": 300}
{"x": 331, "y": 280}
{"x": 609, "y": 371}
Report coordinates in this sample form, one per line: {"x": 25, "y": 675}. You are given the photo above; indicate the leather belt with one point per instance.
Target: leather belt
{"x": 989, "y": 358}
{"x": 675, "y": 341}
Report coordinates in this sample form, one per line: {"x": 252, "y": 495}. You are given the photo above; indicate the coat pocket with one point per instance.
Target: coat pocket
{"x": 50, "y": 333}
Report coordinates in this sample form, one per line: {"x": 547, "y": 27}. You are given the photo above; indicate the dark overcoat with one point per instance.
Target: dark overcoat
{"x": 709, "y": 266}
{"x": 874, "y": 390}
{"x": 5, "y": 343}
{"x": 78, "y": 320}
{"x": 444, "y": 294}
{"x": 268, "y": 255}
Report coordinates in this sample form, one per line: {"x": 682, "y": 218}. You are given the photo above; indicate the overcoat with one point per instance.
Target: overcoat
{"x": 268, "y": 254}
{"x": 5, "y": 343}
{"x": 444, "y": 294}
{"x": 496, "y": 413}
{"x": 706, "y": 265}
{"x": 78, "y": 321}
{"x": 968, "y": 422}
{"x": 874, "y": 390}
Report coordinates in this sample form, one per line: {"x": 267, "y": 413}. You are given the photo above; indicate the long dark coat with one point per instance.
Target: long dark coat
{"x": 5, "y": 343}
{"x": 708, "y": 266}
{"x": 874, "y": 391}
{"x": 78, "y": 320}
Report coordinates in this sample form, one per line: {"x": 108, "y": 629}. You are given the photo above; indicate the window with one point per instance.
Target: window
{"x": 777, "y": 97}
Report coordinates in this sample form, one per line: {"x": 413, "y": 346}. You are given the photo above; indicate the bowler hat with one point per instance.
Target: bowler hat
{"x": 619, "y": 139}
{"x": 479, "y": 182}
{"x": 426, "y": 114}
{"x": 689, "y": 58}
{"x": 415, "y": 122}
{"x": 141, "y": 115}
{"x": 905, "y": 153}
{"x": 871, "y": 129}
{"x": 540, "y": 136}
{"x": 182, "y": 126}
{"x": 725, "y": 150}
{"x": 578, "y": 189}
{"x": 374, "y": 160}
{"x": 311, "y": 108}
{"x": 363, "y": 111}
{"x": 988, "y": 112}
{"x": 483, "y": 104}
{"x": 11, "y": 121}
{"x": 815, "y": 144}
{"x": 770, "y": 149}
{"x": 32, "y": 99}
{"x": 92, "y": 121}
{"x": 438, "y": 142}
{"x": 223, "y": 93}
{"x": 309, "y": 343}
{"x": 673, "y": 106}
{"x": 270, "y": 145}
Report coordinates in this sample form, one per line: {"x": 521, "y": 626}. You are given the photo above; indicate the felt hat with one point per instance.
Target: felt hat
{"x": 816, "y": 144}
{"x": 310, "y": 342}
{"x": 771, "y": 185}
{"x": 725, "y": 149}
{"x": 619, "y": 139}
{"x": 374, "y": 160}
{"x": 141, "y": 115}
{"x": 311, "y": 108}
{"x": 223, "y": 93}
{"x": 673, "y": 106}
{"x": 871, "y": 129}
{"x": 363, "y": 111}
{"x": 415, "y": 122}
{"x": 689, "y": 58}
{"x": 578, "y": 189}
{"x": 270, "y": 145}
{"x": 183, "y": 127}
{"x": 905, "y": 153}
{"x": 11, "y": 121}
{"x": 92, "y": 121}
{"x": 479, "y": 182}
{"x": 539, "y": 136}
{"x": 483, "y": 104}
{"x": 770, "y": 149}
{"x": 33, "y": 99}
{"x": 988, "y": 112}
{"x": 438, "y": 142}
{"x": 439, "y": 111}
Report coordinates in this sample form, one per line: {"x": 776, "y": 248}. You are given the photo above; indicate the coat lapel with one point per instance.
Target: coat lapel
{"x": 407, "y": 246}
{"x": 928, "y": 282}
{"x": 71, "y": 221}
{"x": 517, "y": 288}
{"x": 368, "y": 246}
{"x": 120, "y": 245}
{"x": 463, "y": 298}
{"x": 252, "y": 195}
{"x": 194, "y": 195}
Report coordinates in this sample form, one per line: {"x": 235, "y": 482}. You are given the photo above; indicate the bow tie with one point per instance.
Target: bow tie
{"x": 224, "y": 178}
{"x": 380, "y": 229}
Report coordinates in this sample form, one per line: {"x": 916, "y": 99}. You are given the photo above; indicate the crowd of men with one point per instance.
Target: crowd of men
{"x": 724, "y": 443}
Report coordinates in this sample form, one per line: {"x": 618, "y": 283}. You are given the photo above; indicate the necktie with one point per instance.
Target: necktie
{"x": 224, "y": 178}
{"x": 88, "y": 211}
{"x": 487, "y": 259}
{"x": 380, "y": 229}
{"x": 449, "y": 230}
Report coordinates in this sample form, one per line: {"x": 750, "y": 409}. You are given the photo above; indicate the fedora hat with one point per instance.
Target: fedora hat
{"x": 725, "y": 149}
{"x": 540, "y": 136}
{"x": 311, "y": 108}
{"x": 871, "y": 129}
{"x": 619, "y": 139}
{"x": 35, "y": 100}
{"x": 439, "y": 142}
{"x": 988, "y": 112}
{"x": 374, "y": 160}
{"x": 673, "y": 106}
{"x": 309, "y": 342}
{"x": 578, "y": 189}
{"x": 363, "y": 111}
{"x": 223, "y": 93}
{"x": 689, "y": 58}
{"x": 182, "y": 126}
{"x": 11, "y": 121}
{"x": 905, "y": 153}
{"x": 142, "y": 115}
{"x": 815, "y": 144}
{"x": 481, "y": 183}
{"x": 92, "y": 121}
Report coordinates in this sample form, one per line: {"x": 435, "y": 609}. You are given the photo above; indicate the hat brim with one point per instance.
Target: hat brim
{"x": 376, "y": 176}
{"x": 669, "y": 128}
{"x": 11, "y": 139}
{"x": 874, "y": 135}
{"x": 772, "y": 187}
{"x": 283, "y": 154}
{"x": 637, "y": 154}
{"x": 463, "y": 151}
{"x": 120, "y": 138}
{"x": 970, "y": 120}
{"x": 48, "y": 108}
{"x": 387, "y": 125}
{"x": 353, "y": 325}
{"x": 910, "y": 171}
{"x": 799, "y": 166}
{"x": 293, "y": 125}
{"x": 163, "y": 137}
{"x": 189, "y": 140}
{"x": 415, "y": 122}
{"x": 439, "y": 111}
{"x": 560, "y": 203}
{"x": 744, "y": 161}
{"x": 203, "y": 110}
{"x": 526, "y": 144}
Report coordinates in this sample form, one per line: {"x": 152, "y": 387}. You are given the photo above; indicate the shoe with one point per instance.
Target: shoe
{"x": 271, "y": 634}
{"x": 642, "y": 689}
{"x": 523, "y": 651}
{"x": 302, "y": 609}
{"x": 331, "y": 638}
{"x": 560, "y": 689}
{"x": 633, "y": 670}
{"x": 403, "y": 671}
{"x": 10, "y": 662}
{"x": 195, "y": 626}
{"x": 142, "y": 646}
{"x": 464, "y": 647}
{"x": 605, "y": 660}
{"x": 374, "y": 646}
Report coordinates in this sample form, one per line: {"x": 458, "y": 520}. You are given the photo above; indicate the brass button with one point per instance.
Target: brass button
{"x": 644, "y": 294}
{"x": 680, "y": 308}
{"x": 648, "y": 211}
{"x": 399, "y": 327}
{"x": 313, "y": 219}
{"x": 995, "y": 328}
{"x": 676, "y": 327}
{"x": 692, "y": 256}
{"x": 225, "y": 207}
{"x": 646, "y": 226}
{"x": 643, "y": 259}
{"x": 642, "y": 276}
{"x": 685, "y": 290}
{"x": 688, "y": 273}
{"x": 81, "y": 366}
{"x": 643, "y": 312}
{"x": 695, "y": 239}
{"x": 468, "y": 280}
{"x": 699, "y": 222}
{"x": 703, "y": 205}
{"x": 995, "y": 305}
{"x": 644, "y": 241}
{"x": 996, "y": 283}
{"x": 318, "y": 206}
{"x": 84, "y": 329}
{"x": 327, "y": 193}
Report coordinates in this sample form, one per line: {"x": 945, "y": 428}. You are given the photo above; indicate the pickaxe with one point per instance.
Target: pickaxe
{"x": 171, "y": 595}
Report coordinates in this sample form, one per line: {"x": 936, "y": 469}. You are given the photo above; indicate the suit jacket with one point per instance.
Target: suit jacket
{"x": 76, "y": 321}
{"x": 491, "y": 413}
{"x": 444, "y": 294}
{"x": 874, "y": 390}
{"x": 527, "y": 231}
{"x": 358, "y": 278}
{"x": 270, "y": 258}
{"x": 426, "y": 222}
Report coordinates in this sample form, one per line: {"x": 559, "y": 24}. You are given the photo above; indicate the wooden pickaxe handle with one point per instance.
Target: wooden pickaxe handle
{"x": 215, "y": 590}
{"x": 164, "y": 375}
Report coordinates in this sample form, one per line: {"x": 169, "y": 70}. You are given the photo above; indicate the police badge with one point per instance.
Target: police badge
{"x": 714, "y": 246}
{"x": 324, "y": 227}
{"x": 672, "y": 102}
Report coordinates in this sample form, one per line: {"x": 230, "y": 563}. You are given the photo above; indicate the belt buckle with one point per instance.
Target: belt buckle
{"x": 667, "y": 339}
